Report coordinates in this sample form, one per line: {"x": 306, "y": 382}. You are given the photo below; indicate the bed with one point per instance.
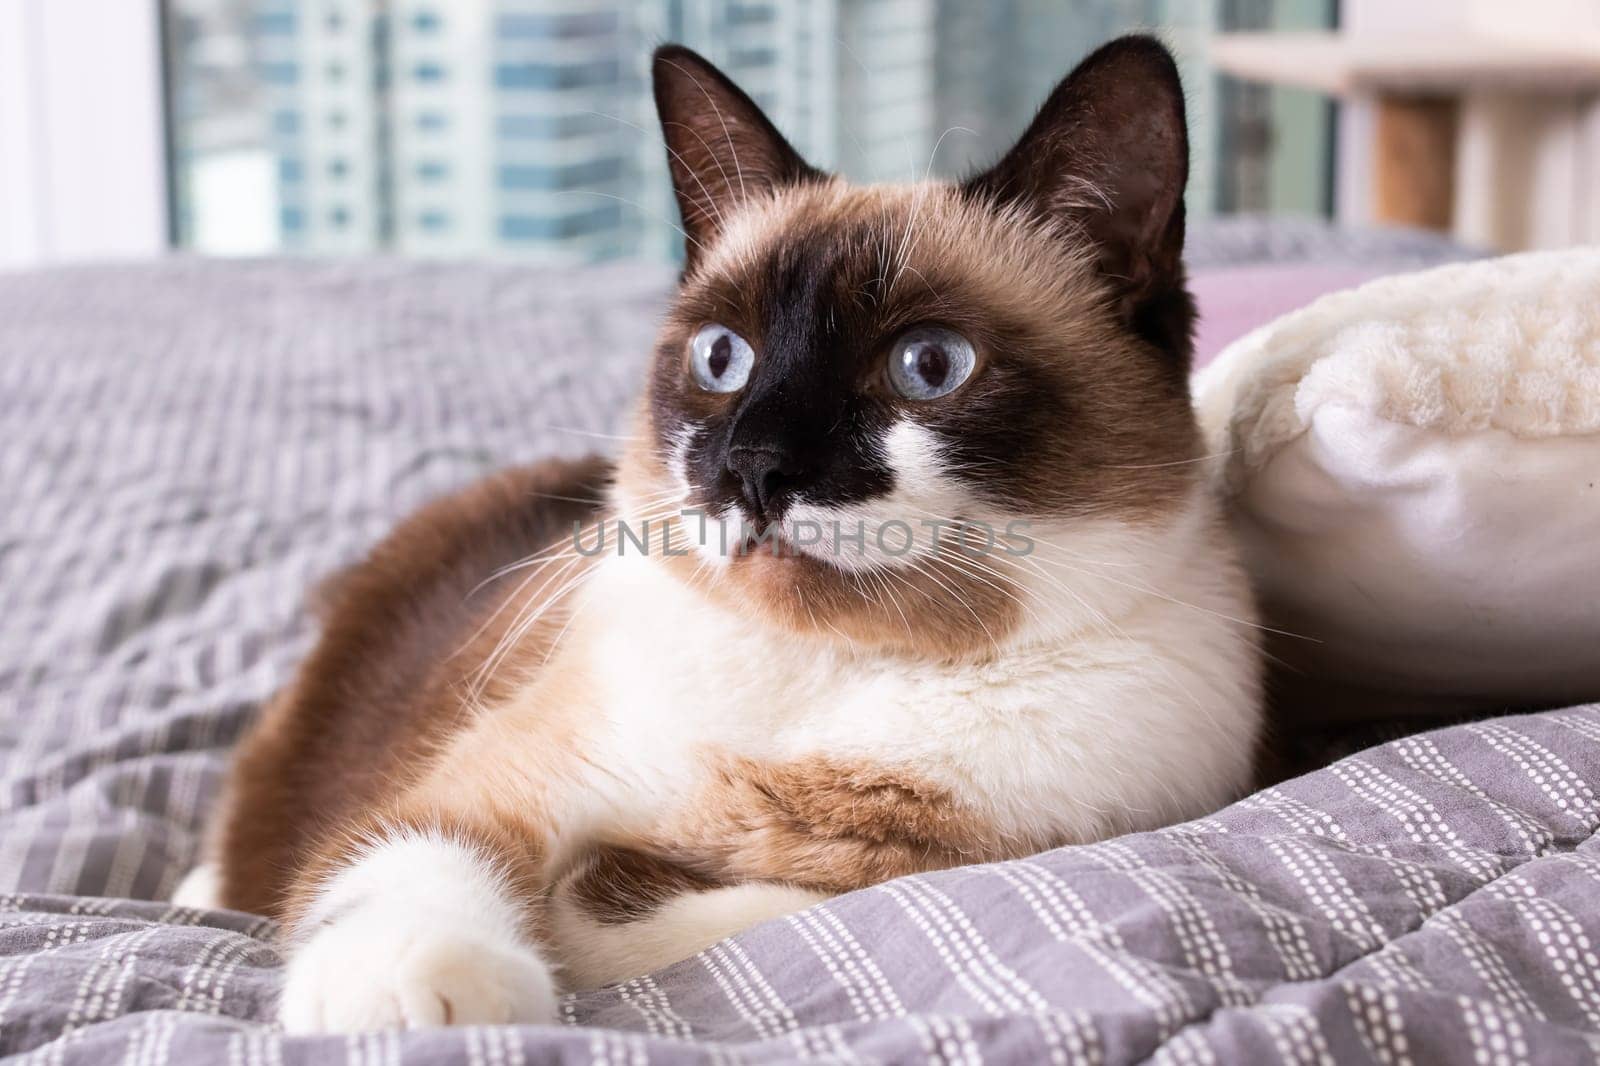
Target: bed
{"x": 186, "y": 447}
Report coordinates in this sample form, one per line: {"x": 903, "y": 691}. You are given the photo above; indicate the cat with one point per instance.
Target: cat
{"x": 538, "y": 750}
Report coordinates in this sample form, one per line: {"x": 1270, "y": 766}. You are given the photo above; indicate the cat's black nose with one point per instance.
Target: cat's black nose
{"x": 764, "y": 475}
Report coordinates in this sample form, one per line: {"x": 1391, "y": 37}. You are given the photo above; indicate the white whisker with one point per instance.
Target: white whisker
{"x": 1176, "y": 462}
{"x": 725, "y": 132}
{"x": 710, "y": 200}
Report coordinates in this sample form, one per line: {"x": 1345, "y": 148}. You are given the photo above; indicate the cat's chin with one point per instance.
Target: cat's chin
{"x": 906, "y": 604}
{"x": 865, "y": 606}
{"x": 740, "y": 542}
{"x": 780, "y": 559}
{"x": 800, "y": 567}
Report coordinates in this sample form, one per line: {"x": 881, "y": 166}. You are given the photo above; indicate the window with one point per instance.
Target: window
{"x": 280, "y": 73}
{"x": 527, "y": 128}
{"x": 571, "y": 176}
{"x": 553, "y": 127}
{"x": 275, "y": 22}
{"x": 554, "y": 227}
{"x": 556, "y": 75}
{"x": 555, "y": 27}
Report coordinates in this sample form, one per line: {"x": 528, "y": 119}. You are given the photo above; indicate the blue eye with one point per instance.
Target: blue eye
{"x": 929, "y": 362}
{"x": 720, "y": 359}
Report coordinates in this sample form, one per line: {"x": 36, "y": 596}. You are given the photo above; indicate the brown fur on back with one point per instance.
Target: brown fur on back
{"x": 388, "y": 678}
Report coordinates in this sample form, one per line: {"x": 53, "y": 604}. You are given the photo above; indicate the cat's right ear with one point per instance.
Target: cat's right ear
{"x": 721, "y": 148}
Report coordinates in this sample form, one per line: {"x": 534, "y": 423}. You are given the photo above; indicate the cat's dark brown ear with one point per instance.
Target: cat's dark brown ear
{"x": 1108, "y": 154}
{"x": 721, "y": 148}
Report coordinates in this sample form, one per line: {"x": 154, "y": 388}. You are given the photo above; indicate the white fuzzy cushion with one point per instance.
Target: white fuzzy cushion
{"x": 1414, "y": 468}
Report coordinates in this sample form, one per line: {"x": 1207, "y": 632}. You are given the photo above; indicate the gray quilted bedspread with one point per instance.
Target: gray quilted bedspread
{"x": 186, "y": 448}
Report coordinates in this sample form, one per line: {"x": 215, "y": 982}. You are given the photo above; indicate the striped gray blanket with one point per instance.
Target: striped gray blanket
{"x": 186, "y": 448}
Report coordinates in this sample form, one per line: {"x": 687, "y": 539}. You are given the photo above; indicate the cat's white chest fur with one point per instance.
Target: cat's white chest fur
{"x": 1126, "y": 725}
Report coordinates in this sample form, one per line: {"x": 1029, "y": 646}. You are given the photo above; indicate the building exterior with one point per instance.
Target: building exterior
{"x": 448, "y": 128}
{"x": 441, "y": 118}
{"x": 455, "y": 127}
{"x": 326, "y": 71}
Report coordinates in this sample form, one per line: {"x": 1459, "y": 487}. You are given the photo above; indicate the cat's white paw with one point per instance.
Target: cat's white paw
{"x": 201, "y": 888}
{"x": 377, "y": 968}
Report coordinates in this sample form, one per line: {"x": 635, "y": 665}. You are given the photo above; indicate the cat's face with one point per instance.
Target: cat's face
{"x": 894, "y": 405}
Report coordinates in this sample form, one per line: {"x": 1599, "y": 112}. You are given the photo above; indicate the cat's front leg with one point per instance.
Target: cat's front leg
{"x": 416, "y": 927}
{"x": 831, "y": 824}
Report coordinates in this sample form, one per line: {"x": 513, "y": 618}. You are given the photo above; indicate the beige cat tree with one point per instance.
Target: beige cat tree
{"x": 1481, "y": 119}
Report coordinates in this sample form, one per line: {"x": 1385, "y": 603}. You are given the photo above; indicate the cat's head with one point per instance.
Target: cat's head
{"x": 844, "y": 365}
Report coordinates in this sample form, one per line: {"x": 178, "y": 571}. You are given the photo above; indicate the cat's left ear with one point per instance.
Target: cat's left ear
{"x": 1108, "y": 154}
{"x": 721, "y": 148}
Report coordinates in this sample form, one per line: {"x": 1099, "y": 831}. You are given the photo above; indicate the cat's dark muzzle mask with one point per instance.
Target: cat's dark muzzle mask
{"x": 779, "y": 448}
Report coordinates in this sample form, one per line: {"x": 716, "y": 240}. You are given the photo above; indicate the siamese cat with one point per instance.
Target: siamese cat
{"x": 909, "y": 561}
